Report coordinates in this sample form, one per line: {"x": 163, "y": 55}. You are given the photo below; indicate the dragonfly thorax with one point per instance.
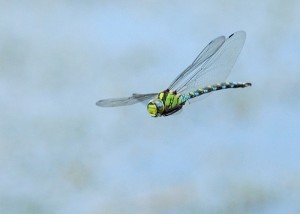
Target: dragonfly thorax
{"x": 166, "y": 103}
{"x": 156, "y": 107}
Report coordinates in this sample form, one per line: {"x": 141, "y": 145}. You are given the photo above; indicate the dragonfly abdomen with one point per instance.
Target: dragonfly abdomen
{"x": 216, "y": 87}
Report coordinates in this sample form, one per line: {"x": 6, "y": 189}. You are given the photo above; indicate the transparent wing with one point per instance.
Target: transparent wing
{"x": 214, "y": 68}
{"x": 125, "y": 101}
{"x": 206, "y": 53}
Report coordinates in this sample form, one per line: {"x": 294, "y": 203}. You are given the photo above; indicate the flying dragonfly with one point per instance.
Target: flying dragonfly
{"x": 206, "y": 74}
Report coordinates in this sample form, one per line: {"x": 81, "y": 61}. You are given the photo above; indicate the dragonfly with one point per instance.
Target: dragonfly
{"x": 206, "y": 74}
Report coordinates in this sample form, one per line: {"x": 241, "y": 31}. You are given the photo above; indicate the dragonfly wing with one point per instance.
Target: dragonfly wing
{"x": 125, "y": 101}
{"x": 206, "y": 53}
{"x": 144, "y": 99}
{"x": 216, "y": 68}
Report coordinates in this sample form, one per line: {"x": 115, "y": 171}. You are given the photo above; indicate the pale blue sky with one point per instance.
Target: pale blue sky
{"x": 237, "y": 151}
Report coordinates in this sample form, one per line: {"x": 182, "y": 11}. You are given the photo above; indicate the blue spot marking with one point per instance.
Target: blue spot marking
{"x": 231, "y": 85}
{"x": 196, "y": 94}
{"x": 214, "y": 88}
{"x": 187, "y": 97}
{"x": 223, "y": 86}
{"x": 205, "y": 91}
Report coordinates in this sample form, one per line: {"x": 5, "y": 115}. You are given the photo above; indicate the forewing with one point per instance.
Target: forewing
{"x": 216, "y": 68}
{"x": 206, "y": 53}
{"x": 125, "y": 101}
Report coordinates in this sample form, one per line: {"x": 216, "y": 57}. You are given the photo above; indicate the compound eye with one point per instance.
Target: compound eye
{"x": 152, "y": 109}
{"x": 155, "y": 107}
{"x": 160, "y": 106}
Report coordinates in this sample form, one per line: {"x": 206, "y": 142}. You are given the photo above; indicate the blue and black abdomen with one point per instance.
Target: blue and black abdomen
{"x": 216, "y": 87}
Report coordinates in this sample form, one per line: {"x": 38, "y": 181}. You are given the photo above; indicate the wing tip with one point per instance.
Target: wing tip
{"x": 240, "y": 33}
{"x": 98, "y": 103}
{"x": 102, "y": 103}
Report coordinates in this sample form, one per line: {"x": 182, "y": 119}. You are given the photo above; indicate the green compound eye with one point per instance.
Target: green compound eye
{"x": 155, "y": 107}
{"x": 152, "y": 109}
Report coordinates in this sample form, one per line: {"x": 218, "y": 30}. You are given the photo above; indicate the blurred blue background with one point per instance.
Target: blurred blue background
{"x": 237, "y": 151}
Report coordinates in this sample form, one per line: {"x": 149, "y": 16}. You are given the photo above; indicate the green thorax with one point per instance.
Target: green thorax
{"x": 171, "y": 100}
{"x": 166, "y": 103}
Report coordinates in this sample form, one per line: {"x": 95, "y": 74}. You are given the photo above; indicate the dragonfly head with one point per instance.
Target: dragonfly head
{"x": 155, "y": 107}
